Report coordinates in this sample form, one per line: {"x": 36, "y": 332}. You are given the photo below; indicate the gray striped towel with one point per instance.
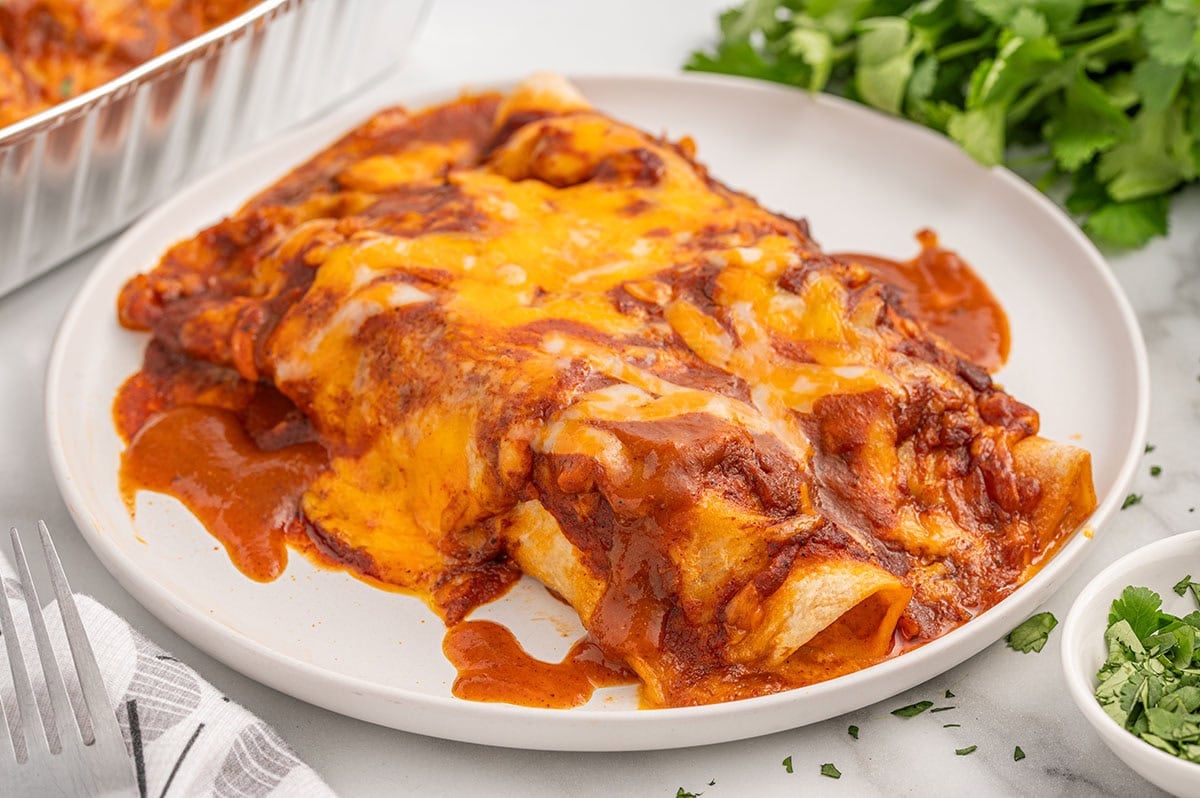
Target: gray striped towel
{"x": 185, "y": 738}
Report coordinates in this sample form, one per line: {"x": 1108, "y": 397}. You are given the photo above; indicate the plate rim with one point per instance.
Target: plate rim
{"x": 568, "y": 730}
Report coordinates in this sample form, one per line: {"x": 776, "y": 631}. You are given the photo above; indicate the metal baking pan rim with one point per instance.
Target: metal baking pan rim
{"x": 142, "y": 73}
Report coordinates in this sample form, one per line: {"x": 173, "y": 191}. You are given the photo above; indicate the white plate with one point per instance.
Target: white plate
{"x": 866, "y": 182}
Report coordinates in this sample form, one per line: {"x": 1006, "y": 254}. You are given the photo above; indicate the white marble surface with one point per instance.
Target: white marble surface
{"x": 1003, "y": 698}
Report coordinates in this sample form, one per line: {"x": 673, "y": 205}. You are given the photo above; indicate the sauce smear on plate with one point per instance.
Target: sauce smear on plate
{"x": 492, "y": 666}
{"x": 946, "y": 295}
{"x": 245, "y": 497}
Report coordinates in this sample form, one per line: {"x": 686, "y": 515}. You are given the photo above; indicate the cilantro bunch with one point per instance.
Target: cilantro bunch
{"x": 1150, "y": 683}
{"x": 1100, "y": 98}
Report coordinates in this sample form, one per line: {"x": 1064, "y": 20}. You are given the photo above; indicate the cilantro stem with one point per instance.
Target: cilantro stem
{"x": 844, "y": 51}
{"x": 1029, "y": 160}
{"x": 1023, "y": 107}
{"x": 1085, "y": 30}
{"x": 1123, "y": 34}
{"x": 965, "y": 47}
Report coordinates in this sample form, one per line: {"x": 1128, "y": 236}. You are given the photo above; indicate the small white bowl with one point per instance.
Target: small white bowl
{"x": 1157, "y": 566}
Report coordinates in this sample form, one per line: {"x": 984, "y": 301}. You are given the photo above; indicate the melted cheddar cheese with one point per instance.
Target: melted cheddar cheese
{"x": 531, "y": 338}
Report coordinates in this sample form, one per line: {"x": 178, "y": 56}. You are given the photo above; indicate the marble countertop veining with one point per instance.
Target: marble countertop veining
{"x": 1003, "y": 699}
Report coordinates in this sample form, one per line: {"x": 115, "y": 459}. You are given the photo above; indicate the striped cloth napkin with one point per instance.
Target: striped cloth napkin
{"x": 185, "y": 738}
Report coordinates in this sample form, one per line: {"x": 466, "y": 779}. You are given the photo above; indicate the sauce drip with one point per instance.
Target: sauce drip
{"x": 940, "y": 289}
{"x": 246, "y": 498}
{"x": 493, "y": 667}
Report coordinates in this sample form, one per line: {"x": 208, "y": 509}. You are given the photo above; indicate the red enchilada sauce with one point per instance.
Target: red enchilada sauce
{"x": 492, "y": 666}
{"x": 239, "y": 455}
{"x": 939, "y": 289}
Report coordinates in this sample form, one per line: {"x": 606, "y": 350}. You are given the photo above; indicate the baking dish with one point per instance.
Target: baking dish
{"x": 78, "y": 172}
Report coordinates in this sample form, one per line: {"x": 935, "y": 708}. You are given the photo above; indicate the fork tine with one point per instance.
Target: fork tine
{"x": 62, "y": 718}
{"x": 8, "y": 748}
{"x": 31, "y": 718}
{"x": 104, "y": 721}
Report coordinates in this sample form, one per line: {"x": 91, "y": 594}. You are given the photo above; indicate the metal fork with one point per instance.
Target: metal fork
{"x": 68, "y": 755}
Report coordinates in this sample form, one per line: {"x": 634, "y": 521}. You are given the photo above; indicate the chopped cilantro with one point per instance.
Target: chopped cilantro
{"x": 712, "y": 783}
{"x": 949, "y": 694}
{"x": 828, "y": 769}
{"x": 1130, "y": 500}
{"x": 1150, "y": 682}
{"x": 942, "y": 709}
{"x": 787, "y": 764}
{"x": 1033, "y": 633}
{"x": 912, "y": 710}
{"x": 1186, "y": 584}
{"x": 682, "y": 793}
{"x": 1155, "y": 471}
{"x": 1018, "y": 754}
{"x": 970, "y": 749}
{"x": 853, "y": 732}
{"x": 1149, "y": 448}
{"x": 951, "y": 725}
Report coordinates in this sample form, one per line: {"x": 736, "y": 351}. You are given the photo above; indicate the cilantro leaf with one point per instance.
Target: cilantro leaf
{"x": 830, "y": 770}
{"x": 912, "y": 710}
{"x": 886, "y": 55}
{"x": 1169, "y": 35}
{"x": 1154, "y": 157}
{"x": 1019, "y": 63}
{"x": 1092, "y": 123}
{"x": 1133, "y": 498}
{"x": 741, "y": 58}
{"x": 980, "y": 132}
{"x": 1157, "y": 83}
{"x": 1059, "y": 13}
{"x": 738, "y": 24}
{"x": 853, "y": 732}
{"x": 1129, "y": 224}
{"x": 1018, "y": 754}
{"x": 1033, "y": 633}
{"x": 970, "y": 749}
{"x": 682, "y": 793}
{"x": 1139, "y": 606}
{"x": 787, "y": 763}
{"x": 815, "y": 48}
{"x": 1184, "y": 585}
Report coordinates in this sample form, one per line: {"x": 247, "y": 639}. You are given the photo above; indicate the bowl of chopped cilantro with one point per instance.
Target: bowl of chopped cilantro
{"x": 1131, "y": 651}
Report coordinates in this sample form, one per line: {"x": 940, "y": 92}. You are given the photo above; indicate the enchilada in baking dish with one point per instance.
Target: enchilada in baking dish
{"x": 53, "y": 50}
{"x": 511, "y": 335}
